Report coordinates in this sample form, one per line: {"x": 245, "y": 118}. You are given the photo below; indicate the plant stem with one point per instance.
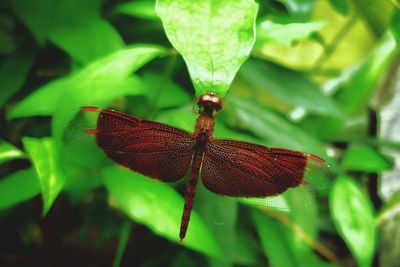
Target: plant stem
{"x": 124, "y": 235}
{"x": 298, "y": 231}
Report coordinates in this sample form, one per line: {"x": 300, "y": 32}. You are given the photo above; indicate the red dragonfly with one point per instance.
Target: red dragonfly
{"x": 227, "y": 167}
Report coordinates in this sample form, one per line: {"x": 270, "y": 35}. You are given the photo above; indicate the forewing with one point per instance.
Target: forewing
{"x": 150, "y": 148}
{"x": 241, "y": 169}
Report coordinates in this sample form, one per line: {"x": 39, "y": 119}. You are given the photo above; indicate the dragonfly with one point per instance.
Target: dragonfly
{"x": 227, "y": 167}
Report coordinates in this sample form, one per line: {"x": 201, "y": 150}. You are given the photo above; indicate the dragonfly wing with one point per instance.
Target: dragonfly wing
{"x": 150, "y": 148}
{"x": 241, "y": 169}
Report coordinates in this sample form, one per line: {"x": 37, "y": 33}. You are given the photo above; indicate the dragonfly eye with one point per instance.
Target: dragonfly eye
{"x": 210, "y": 101}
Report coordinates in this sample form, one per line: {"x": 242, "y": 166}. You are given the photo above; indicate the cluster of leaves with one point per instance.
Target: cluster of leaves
{"x": 314, "y": 67}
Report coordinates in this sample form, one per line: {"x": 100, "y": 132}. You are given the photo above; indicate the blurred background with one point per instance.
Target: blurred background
{"x": 323, "y": 78}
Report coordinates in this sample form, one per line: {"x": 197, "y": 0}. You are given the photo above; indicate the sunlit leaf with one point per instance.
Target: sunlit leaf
{"x": 214, "y": 38}
{"x": 18, "y": 187}
{"x": 13, "y": 72}
{"x": 43, "y": 155}
{"x": 157, "y": 206}
{"x": 75, "y": 26}
{"x": 356, "y": 93}
{"x": 375, "y": 13}
{"x": 364, "y": 158}
{"x": 9, "y": 152}
{"x": 286, "y": 34}
{"x": 354, "y": 89}
{"x": 143, "y": 9}
{"x": 354, "y": 218}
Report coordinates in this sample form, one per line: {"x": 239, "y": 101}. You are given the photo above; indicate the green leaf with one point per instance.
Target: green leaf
{"x": 157, "y": 206}
{"x": 268, "y": 125}
{"x": 143, "y": 9}
{"x": 273, "y": 241}
{"x": 341, "y": 6}
{"x": 13, "y": 72}
{"x": 375, "y": 14}
{"x": 355, "y": 87}
{"x": 9, "y": 152}
{"x": 75, "y": 26}
{"x": 164, "y": 93}
{"x": 43, "y": 155}
{"x": 394, "y": 26}
{"x": 18, "y": 187}
{"x": 38, "y": 22}
{"x": 214, "y": 38}
{"x": 364, "y": 158}
{"x": 246, "y": 249}
{"x": 286, "y": 34}
{"x": 356, "y": 92}
{"x": 220, "y": 216}
{"x": 282, "y": 86}
{"x": 354, "y": 218}
{"x": 96, "y": 84}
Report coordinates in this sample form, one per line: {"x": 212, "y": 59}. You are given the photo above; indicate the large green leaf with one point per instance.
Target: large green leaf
{"x": 354, "y": 218}
{"x": 273, "y": 241}
{"x": 18, "y": 187}
{"x": 268, "y": 125}
{"x": 220, "y": 215}
{"x": 157, "y": 206}
{"x": 75, "y": 26}
{"x": 13, "y": 72}
{"x": 364, "y": 158}
{"x": 281, "y": 86}
{"x": 96, "y": 84}
{"x": 9, "y": 152}
{"x": 44, "y": 155}
{"x": 214, "y": 38}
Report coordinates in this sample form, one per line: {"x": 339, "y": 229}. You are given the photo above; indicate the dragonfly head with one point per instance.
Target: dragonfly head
{"x": 209, "y": 103}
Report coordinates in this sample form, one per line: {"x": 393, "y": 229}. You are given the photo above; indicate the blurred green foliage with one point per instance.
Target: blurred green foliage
{"x": 314, "y": 82}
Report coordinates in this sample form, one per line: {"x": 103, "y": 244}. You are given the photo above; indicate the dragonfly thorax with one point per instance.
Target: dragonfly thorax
{"x": 204, "y": 125}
